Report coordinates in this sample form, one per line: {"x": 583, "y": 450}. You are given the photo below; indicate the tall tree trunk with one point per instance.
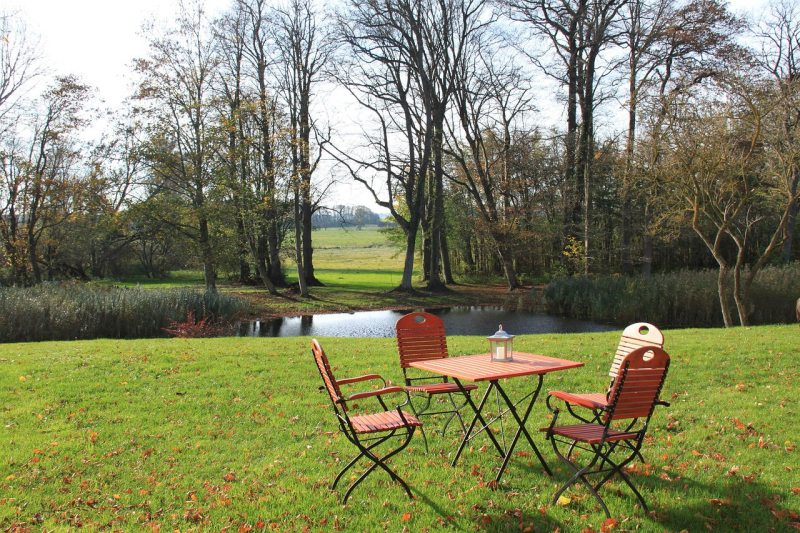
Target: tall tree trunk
{"x": 308, "y": 249}
{"x": 792, "y": 221}
{"x": 448, "y": 272}
{"x": 307, "y": 208}
{"x": 506, "y": 259}
{"x": 647, "y": 252}
{"x": 275, "y": 270}
{"x": 241, "y": 238}
{"x": 722, "y": 289}
{"x": 469, "y": 259}
{"x": 627, "y": 226}
{"x": 425, "y": 271}
{"x": 208, "y": 255}
{"x": 571, "y": 199}
{"x": 408, "y": 263}
{"x": 298, "y": 246}
{"x": 257, "y": 248}
{"x": 435, "y": 279}
{"x": 32, "y": 242}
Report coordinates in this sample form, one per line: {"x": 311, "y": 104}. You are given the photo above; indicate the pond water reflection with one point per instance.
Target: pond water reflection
{"x": 464, "y": 320}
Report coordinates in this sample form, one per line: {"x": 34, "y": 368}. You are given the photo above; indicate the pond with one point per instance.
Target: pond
{"x": 463, "y": 320}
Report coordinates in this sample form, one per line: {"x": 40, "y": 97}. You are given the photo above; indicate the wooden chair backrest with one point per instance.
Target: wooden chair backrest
{"x": 420, "y": 337}
{"x": 633, "y": 337}
{"x": 327, "y": 374}
{"x": 636, "y": 389}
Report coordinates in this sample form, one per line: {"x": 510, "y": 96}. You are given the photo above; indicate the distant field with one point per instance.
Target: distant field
{"x": 342, "y": 257}
{"x": 362, "y": 260}
{"x": 358, "y": 268}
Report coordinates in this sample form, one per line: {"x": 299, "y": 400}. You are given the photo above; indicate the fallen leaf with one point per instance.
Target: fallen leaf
{"x": 609, "y": 525}
{"x": 406, "y": 517}
{"x": 563, "y": 500}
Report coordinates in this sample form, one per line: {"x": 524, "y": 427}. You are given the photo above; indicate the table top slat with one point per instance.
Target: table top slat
{"x": 480, "y": 367}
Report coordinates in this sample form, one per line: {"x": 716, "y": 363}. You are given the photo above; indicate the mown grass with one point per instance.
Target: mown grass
{"x": 177, "y": 279}
{"x": 206, "y": 434}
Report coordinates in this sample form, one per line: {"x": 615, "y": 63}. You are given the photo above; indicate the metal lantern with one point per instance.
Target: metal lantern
{"x": 500, "y": 345}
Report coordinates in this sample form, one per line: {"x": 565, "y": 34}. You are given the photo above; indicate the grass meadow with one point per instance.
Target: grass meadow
{"x": 232, "y": 434}
{"x": 358, "y": 267}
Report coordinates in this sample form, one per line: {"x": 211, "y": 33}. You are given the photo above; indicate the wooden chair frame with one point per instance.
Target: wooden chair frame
{"x": 421, "y": 337}
{"x": 633, "y": 337}
{"x": 634, "y": 397}
{"x": 367, "y": 432}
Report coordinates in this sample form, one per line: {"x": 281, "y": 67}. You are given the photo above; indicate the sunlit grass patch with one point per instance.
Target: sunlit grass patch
{"x": 210, "y": 433}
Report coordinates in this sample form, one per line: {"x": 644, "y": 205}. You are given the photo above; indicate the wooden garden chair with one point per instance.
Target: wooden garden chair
{"x": 421, "y": 337}
{"x": 633, "y": 337}
{"x": 633, "y": 398}
{"x": 367, "y": 431}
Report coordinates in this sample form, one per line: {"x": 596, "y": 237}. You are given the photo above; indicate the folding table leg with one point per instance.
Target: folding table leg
{"x": 477, "y": 410}
{"x": 521, "y": 429}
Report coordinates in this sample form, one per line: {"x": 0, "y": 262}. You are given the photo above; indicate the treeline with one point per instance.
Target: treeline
{"x": 342, "y": 216}
{"x": 225, "y": 153}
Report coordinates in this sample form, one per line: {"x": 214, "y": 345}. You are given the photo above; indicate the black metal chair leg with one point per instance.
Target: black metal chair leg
{"x": 617, "y": 469}
{"x": 419, "y": 414}
{"x": 381, "y": 462}
{"x": 580, "y": 474}
{"x": 359, "y": 456}
{"x": 345, "y": 469}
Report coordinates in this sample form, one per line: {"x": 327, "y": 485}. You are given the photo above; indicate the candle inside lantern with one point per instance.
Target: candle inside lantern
{"x": 500, "y": 346}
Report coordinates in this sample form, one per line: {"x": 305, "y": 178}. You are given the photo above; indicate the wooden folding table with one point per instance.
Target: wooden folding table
{"x": 480, "y": 367}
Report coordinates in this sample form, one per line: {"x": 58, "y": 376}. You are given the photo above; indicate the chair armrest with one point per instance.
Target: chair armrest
{"x": 379, "y": 392}
{"x": 577, "y": 400}
{"x": 365, "y": 377}
{"x": 661, "y": 402}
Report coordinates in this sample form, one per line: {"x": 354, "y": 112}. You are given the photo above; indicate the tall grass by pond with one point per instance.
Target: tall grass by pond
{"x": 71, "y": 311}
{"x": 677, "y": 299}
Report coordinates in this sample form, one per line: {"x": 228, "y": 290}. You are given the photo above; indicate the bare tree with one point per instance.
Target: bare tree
{"x": 491, "y": 99}
{"x": 714, "y": 169}
{"x": 38, "y": 170}
{"x": 379, "y": 67}
{"x": 304, "y": 48}
{"x": 779, "y": 57}
{"x": 401, "y": 64}
{"x": 260, "y": 53}
{"x": 578, "y": 31}
{"x": 644, "y": 23}
{"x": 20, "y": 62}
{"x": 177, "y": 82}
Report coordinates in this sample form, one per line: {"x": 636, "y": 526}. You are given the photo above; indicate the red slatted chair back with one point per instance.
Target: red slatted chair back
{"x": 636, "y": 390}
{"x": 327, "y": 375}
{"x": 420, "y": 337}
{"x": 633, "y": 337}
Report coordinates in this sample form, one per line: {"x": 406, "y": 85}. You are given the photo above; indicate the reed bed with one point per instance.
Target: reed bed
{"x": 676, "y": 299}
{"x": 74, "y": 311}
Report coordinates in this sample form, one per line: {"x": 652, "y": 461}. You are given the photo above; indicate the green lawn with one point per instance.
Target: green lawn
{"x": 233, "y": 433}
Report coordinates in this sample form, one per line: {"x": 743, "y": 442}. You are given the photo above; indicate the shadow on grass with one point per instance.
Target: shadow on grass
{"x": 682, "y": 504}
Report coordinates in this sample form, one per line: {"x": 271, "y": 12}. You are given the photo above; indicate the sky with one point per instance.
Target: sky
{"x": 99, "y": 39}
